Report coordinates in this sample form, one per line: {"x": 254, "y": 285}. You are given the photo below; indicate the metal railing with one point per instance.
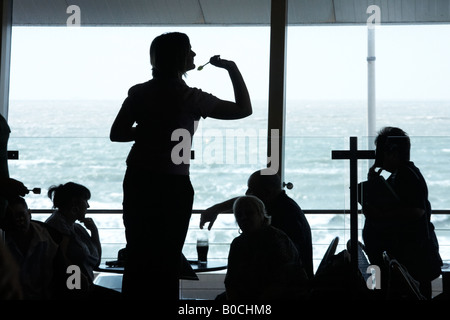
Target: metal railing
{"x": 325, "y": 225}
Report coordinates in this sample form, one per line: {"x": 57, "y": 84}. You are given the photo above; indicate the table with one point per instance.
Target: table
{"x": 188, "y": 271}
{"x": 213, "y": 265}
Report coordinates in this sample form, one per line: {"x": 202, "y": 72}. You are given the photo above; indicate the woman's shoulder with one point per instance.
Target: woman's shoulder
{"x": 140, "y": 87}
{"x": 57, "y": 222}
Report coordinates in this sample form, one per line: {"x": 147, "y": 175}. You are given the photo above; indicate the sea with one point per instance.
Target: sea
{"x": 61, "y": 141}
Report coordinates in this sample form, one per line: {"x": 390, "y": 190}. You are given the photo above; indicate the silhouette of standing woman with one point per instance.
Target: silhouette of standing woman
{"x": 158, "y": 194}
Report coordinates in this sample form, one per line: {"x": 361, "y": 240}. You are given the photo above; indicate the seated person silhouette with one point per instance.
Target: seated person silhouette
{"x": 82, "y": 249}
{"x": 398, "y": 217}
{"x": 263, "y": 263}
{"x": 285, "y": 213}
{"x": 35, "y": 248}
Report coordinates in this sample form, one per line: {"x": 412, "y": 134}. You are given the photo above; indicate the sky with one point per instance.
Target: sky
{"x": 323, "y": 63}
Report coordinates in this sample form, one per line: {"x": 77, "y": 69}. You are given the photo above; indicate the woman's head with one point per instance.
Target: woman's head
{"x": 171, "y": 55}
{"x": 250, "y": 214}
{"x": 70, "y": 197}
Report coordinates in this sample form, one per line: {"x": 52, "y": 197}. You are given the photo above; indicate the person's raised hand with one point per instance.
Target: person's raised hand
{"x": 373, "y": 173}
{"x": 221, "y": 63}
{"x": 89, "y": 224}
{"x": 12, "y": 187}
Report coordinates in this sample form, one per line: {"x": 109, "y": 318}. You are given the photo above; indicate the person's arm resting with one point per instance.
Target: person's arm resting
{"x": 210, "y": 214}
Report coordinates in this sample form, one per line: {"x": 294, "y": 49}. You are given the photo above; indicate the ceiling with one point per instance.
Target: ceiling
{"x": 224, "y": 12}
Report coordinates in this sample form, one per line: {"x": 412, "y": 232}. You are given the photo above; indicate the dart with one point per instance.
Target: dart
{"x": 35, "y": 190}
{"x": 200, "y": 68}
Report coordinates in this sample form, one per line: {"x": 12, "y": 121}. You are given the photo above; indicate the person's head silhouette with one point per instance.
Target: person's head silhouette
{"x": 250, "y": 214}
{"x": 392, "y": 148}
{"x": 171, "y": 55}
{"x": 71, "y": 200}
